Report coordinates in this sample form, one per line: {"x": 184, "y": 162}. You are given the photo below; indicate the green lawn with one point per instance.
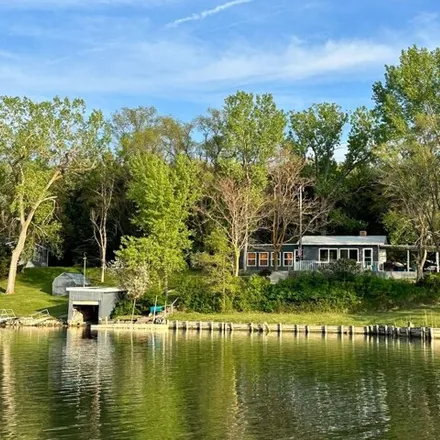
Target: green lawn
{"x": 33, "y": 291}
{"x": 427, "y": 316}
{"x": 34, "y": 286}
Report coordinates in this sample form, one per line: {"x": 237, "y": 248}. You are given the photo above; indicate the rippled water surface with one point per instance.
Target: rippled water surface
{"x": 74, "y": 385}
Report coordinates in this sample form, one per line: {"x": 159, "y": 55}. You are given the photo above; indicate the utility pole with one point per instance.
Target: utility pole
{"x": 85, "y": 267}
{"x": 300, "y": 250}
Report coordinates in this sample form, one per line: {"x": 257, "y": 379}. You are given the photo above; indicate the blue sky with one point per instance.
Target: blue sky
{"x": 184, "y": 56}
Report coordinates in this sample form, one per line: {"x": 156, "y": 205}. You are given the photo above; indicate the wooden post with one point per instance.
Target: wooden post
{"x": 211, "y": 326}
{"x": 407, "y": 260}
{"x": 280, "y": 328}
{"x": 176, "y": 324}
{"x": 307, "y": 329}
{"x": 251, "y": 327}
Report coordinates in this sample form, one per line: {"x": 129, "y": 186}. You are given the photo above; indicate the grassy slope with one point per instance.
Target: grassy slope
{"x": 33, "y": 291}
{"x": 428, "y": 316}
{"x": 34, "y": 286}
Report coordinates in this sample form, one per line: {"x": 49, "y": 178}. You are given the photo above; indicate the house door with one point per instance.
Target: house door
{"x": 368, "y": 258}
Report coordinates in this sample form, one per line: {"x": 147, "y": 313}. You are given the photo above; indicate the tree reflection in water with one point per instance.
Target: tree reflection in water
{"x": 112, "y": 385}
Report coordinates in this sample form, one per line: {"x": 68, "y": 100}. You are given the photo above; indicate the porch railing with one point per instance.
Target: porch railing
{"x": 314, "y": 265}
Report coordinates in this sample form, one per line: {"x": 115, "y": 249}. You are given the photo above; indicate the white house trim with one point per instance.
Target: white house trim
{"x": 267, "y": 259}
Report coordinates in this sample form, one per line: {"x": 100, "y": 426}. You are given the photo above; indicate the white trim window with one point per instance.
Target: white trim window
{"x": 272, "y": 259}
{"x": 263, "y": 259}
{"x": 367, "y": 259}
{"x": 326, "y": 255}
{"x": 252, "y": 259}
{"x": 349, "y": 254}
{"x": 288, "y": 259}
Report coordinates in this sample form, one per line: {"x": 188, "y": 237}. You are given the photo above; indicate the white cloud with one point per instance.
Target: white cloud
{"x": 69, "y": 4}
{"x": 208, "y": 12}
{"x": 113, "y": 56}
{"x": 188, "y": 68}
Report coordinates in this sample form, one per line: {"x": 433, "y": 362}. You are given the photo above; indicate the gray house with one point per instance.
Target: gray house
{"x": 317, "y": 251}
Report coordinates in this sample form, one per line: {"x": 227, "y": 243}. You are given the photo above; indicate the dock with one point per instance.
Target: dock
{"x": 423, "y": 333}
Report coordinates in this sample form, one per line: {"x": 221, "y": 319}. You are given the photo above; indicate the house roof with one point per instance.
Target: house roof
{"x": 343, "y": 240}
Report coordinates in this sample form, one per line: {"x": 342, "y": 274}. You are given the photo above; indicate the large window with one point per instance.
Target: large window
{"x": 368, "y": 257}
{"x": 264, "y": 259}
{"x": 327, "y": 255}
{"x": 252, "y": 259}
{"x": 272, "y": 259}
{"x": 288, "y": 259}
{"x": 349, "y": 254}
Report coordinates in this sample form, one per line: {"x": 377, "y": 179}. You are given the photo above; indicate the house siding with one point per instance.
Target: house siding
{"x": 310, "y": 253}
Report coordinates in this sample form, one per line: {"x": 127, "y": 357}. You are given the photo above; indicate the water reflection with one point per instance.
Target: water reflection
{"x": 115, "y": 385}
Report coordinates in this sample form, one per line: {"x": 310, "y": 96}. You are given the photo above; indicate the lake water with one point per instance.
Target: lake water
{"x": 58, "y": 384}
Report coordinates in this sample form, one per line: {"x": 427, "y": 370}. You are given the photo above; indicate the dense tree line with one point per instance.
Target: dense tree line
{"x": 155, "y": 195}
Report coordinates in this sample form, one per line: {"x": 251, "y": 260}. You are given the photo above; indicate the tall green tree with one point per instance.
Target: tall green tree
{"x": 164, "y": 194}
{"x": 316, "y": 134}
{"x": 408, "y": 110}
{"x": 40, "y": 144}
{"x": 253, "y": 132}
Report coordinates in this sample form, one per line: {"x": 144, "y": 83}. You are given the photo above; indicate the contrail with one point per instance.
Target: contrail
{"x": 202, "y": 15}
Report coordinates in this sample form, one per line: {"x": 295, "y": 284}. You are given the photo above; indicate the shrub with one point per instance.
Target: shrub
{"x": 339, "y": 289}
{"x": 195, "y": 294}
{"x": 342, "y": 270}
{"x": 5, "y": 258}
{"x": 251, "y": 294}
{"x": 265, "y": 273}
{"x": 124, "y": 307}
{"x": 314, "y": 291}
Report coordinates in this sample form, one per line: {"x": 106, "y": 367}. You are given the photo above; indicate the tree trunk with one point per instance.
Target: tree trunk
{"x": 421, "y": 259}
{"x": 15, "y": 258}
{"x": 276, "y": 253}
{"x": 103, "y": 263}
{"x": 237, "y": 262}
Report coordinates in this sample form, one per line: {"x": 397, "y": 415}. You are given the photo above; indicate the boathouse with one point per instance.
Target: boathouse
{"x": 92, "y": 304}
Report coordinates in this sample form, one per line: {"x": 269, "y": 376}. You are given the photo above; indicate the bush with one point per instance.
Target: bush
{"x": 338, "y": 289}
{"x": 5, "y": 259}
{"x": 251, "y": 294}
{"x": 124, "y": 307}
{"x": 307, "y": 292}
{"x": 265, "y": 273}
{"x": 342, "y": 270}
{"x": 195, "y": 294}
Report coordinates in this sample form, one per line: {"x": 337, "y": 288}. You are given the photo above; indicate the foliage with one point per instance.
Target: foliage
{"x": 5, "y": 257}
{"x": 408, "y": 110}
{"x": 342, "y": 270}
{"x": 163, "y": 194}
{"x": 134, "y": 266}
{"x": 217, "y": 262}
{"x": 340, "y": 290}
{"x": 40, "y": 144}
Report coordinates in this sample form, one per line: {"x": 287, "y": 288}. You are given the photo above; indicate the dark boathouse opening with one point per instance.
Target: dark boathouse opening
{"x": 90, "y": 313}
